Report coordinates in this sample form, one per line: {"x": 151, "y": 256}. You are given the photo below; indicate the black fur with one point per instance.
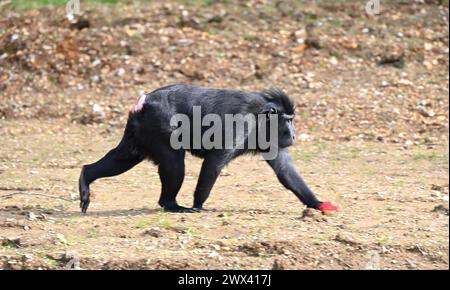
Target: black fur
{"x": 147, "y": 136}
{"x": 279, "y": 97}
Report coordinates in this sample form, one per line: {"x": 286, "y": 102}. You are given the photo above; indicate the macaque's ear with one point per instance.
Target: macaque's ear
{"x": 270, "y": 108}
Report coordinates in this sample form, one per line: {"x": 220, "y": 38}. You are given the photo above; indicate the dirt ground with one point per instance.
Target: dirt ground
{"x": 372, "y": 117}
{"x": 393, "y": 209}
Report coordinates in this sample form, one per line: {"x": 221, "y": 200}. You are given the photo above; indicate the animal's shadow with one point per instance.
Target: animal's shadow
{"x": 43, "y": 212}
{"x": 113, "y": 213}
{"x": 152, "y": 211}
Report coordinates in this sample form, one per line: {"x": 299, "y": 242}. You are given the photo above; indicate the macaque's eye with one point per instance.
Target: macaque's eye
{"x": 288, "y": 118}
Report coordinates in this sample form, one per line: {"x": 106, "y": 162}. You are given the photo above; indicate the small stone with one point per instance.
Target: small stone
{"x": 428, "y": 46}
{"x": 309, "y": 212}
{"x": 31, "y": 216}
{"x": 442, "y": 208}
{"x": 300, "y": 36}
{"x": 72, "y": 260}
{"x": 334, "y": 61}
{"x": 97, "y": 108}
{"x": 120, "y": 72}
{"x": 96, "y": 62}
{"x": 215, "y": 255}
{"x": 27, "y": 258}
{"x": 153, "y": 232}
{"x": 95, "y": 78}
{"x": 409, "y": 143}
{"x": 278, "y": 265}
{"x": 184, "y": 42}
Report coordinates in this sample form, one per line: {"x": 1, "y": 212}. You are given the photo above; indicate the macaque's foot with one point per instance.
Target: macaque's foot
{"x": 202, "y": 209}
{"x": 84, "y": 193}
{"x": 328, "y": 208}
{"x": 177, "y": 209}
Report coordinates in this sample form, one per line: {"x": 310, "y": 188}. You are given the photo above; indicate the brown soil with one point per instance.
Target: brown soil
{"x": 391, "y": 199}
{"x": 372, "y": 120}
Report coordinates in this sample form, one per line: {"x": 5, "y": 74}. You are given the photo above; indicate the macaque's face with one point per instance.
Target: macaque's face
{"x": 286, "y": 130}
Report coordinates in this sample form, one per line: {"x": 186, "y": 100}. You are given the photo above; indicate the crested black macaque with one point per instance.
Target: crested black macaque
{"x": 147, "y": 136}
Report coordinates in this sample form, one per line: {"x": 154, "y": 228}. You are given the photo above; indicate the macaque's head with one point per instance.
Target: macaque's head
{"x": 279, "y": 105}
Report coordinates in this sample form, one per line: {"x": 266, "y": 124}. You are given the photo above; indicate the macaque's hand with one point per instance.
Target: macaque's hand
{"x": 327, "y": 207}
{"x": 84, "y": 193}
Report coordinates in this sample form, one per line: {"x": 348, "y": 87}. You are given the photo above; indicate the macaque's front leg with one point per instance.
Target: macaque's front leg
{"x": 288, "y": 176}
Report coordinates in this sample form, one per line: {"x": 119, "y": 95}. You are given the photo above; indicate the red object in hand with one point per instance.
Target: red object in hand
{"x": 328, "y": 207}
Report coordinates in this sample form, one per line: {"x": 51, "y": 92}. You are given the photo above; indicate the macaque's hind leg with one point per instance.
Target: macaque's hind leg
{"x": 171, "y": 173}
{"x": 113, "y": 163}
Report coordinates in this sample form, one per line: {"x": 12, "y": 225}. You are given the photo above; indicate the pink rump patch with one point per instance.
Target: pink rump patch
{"x": 139, "y": 104}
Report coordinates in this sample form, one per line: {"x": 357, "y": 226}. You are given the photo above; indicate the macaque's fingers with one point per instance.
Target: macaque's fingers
{"x": 84, "y": 204}
{"x": 84, "y": 200}
{"x": 328, "y": 207}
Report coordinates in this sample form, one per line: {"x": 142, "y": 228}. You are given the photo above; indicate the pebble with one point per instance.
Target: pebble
{"x": 31, "y": 216}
